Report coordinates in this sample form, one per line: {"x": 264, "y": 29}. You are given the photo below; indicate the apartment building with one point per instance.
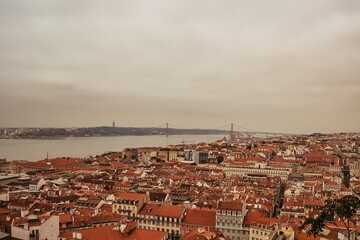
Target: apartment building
{"x": 354, "y": 165}
{"x": 128, "y": 203}
{"x": 260, "y": 227}
{"x": 146, "y": 154}
{"x": 163, "y": 154}
{"x": 33, "y": 227}
{"x": 262, "y": 232}
{"x": 229, "y": 219}
{"x": 243, "y": 170}
{"x": 199, "y": 157}
{"x": 198, "y": 218}
{"x": 161, "y": 218}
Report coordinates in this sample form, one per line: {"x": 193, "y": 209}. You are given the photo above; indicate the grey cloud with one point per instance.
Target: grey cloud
{"x": 266, "y": 65}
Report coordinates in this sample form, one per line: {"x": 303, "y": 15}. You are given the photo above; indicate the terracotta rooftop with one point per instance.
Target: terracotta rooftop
{"x": 202, "y": 234}
{"x": 109, "y": 232}
{"x": 131, "y": 196}
{"x": 174, "y": 211}
{"x": 230, "y": 205}
{"x": 200, "y": 216}
{"x": 150, "y": 209}
{"x": 255, "y": 217}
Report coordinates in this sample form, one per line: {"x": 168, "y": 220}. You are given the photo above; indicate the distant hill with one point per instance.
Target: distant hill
{"x": 110, "y": 131}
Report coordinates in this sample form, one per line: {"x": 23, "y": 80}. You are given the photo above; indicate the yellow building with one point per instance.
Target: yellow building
{"x": 128, "y": 203}
{"x": 261, "y": 227}
{"x": 161, "y": 218}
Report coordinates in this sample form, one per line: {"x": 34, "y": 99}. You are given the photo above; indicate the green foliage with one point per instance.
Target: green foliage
{"x": 343, "y": 208}
{"x": 346, "y": 207}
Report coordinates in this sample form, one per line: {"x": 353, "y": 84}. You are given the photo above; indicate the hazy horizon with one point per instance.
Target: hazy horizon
{"x": 276, "y": 66}
{"x": 225, "y": 129}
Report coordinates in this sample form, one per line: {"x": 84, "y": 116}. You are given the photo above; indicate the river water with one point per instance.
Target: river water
{"x": 37, "y": 149}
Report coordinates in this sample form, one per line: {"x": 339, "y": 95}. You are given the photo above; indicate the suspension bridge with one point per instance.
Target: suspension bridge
{"x": 234, "y": 131}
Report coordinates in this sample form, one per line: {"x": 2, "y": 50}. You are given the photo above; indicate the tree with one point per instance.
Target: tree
{"x": 342, "y": 208}
{"x": 219, "y": 159}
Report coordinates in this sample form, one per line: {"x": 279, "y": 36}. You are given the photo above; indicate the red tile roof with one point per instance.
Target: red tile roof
{"x": 200, "y": 217}
{"x": 131, "y": 196}
{"x": 202, "y": 234}
{"x": 231, "y": 205}
{"x": 109, "y": 232}
{"x": 305, "y": 236}
{"x": 65, "y": 218}
{"x": 174, "y": 211}
{"x": 150, "y": 209}
{"x": 255, "y": 217}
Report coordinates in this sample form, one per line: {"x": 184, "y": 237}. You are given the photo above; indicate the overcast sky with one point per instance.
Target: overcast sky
{"x": 281, "y": 66}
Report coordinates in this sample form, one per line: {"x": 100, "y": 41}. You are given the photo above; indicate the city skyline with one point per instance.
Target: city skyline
{"x": 269, "y": 66}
